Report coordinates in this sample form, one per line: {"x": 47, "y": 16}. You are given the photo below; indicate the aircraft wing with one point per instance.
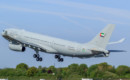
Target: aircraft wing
{"x": 36, "y": 46}
{"x": 40, "y": 47}
{"x": 117, "y": 51}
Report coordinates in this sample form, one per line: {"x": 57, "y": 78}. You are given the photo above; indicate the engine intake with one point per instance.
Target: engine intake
{"x": 17, "y": 47}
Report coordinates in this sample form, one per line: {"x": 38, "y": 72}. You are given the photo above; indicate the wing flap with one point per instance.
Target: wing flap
{"x": 40, "y": 47}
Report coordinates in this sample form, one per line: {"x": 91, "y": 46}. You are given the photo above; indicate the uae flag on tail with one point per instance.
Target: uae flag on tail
{"x": 102, "y": 34}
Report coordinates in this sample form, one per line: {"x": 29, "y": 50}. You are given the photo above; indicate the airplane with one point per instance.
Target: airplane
{"x": 20, "y": 39}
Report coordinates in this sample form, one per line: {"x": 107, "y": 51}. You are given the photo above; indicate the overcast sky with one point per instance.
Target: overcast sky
{"x": 74, "y": 20}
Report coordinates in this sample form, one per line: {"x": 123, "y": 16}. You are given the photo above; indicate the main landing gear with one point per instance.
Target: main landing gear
{"x": 37, "y": 56}
{"x": 58, "y": 57}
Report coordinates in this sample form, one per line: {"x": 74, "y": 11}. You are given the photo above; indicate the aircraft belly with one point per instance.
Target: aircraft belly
{"x": 64, "y": 51}
{"x": 83, "y": 54}
{"x": 74, "y": 53}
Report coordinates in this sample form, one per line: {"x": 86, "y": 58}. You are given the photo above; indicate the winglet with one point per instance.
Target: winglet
{"x": 120, "y": 41}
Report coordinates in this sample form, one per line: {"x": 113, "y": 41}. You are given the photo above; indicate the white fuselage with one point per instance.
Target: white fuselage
{"x": 20, "y": 39}
{"x": 54, "y": 45}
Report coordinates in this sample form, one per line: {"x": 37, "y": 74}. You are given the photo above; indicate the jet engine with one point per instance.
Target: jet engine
{"x": 17, "y": 47}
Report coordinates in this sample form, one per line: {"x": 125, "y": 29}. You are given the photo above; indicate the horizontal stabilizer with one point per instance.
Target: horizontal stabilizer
{"x": 117, "y": 51}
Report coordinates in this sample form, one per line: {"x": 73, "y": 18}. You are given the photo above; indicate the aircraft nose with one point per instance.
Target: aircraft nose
{"x": 4, "y": 32}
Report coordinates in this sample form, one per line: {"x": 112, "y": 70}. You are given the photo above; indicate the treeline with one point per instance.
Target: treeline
{"x": 102, "y": 70}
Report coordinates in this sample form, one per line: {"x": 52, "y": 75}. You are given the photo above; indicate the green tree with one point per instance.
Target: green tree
{"x": 98, "y": 70}
{"x": 52, "y": 68}
{"x": 92, "y": 71}
{"x": 103, "y": 67}
{"x": 8, "y": 72}
{"x": 83, "y": 69}
{"x": 22, "y": 66}
{"x": 31, "y": 71}
{"x": 111, "y": 75}
{"x": 122, "y": 70}
{"x": 111, "y": 69}
{"x": 73, "y": 68}
{"x": 65, "y": 71}
{"x": 44, "y": 70}
{"x": 39, "y": 67}
{"x": 59, "y": 73}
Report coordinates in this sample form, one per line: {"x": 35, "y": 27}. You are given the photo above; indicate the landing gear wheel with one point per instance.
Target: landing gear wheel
{"x": 37, "y": 59}
{"x": 61, "y": 59}
{"x": 56, "y": 56}
{"x": 40, "y": 59}
{"x": 35, "y": 55}
{"x": 58, "y": 59}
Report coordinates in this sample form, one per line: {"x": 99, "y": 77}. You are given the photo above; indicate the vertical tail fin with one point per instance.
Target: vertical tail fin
{"x": 102, "y": 39}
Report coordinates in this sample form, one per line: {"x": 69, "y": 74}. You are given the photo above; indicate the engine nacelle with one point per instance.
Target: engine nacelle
{"x": 17, "y": 47}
